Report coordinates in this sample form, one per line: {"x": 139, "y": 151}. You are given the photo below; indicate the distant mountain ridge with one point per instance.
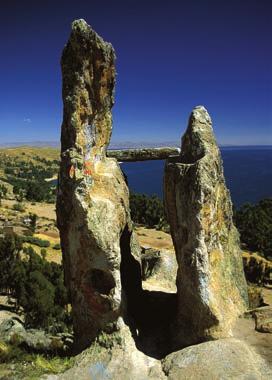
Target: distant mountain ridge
{"x": 124, "y": 144}
{"x": 113, "y": 145}
{"x": 42, "y": 144}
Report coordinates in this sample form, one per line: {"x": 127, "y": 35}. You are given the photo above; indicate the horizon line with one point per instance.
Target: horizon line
{"x": 54, "y": 143}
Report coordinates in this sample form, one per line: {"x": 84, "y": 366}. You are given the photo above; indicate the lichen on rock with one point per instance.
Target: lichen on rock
{"x": 93, "y": 200}
{"x": 212, "y": 291}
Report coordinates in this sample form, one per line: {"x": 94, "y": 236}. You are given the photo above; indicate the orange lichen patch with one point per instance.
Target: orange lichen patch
{"x": 220, "y": 217}
{"x": 215, "y": 257}
{"x": 88, "y": 168}
{"x": 206, "y": 213}
{"x": 72, "y": 172}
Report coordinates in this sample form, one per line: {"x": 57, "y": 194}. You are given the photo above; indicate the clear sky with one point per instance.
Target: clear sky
{"x": 171, "y": 56}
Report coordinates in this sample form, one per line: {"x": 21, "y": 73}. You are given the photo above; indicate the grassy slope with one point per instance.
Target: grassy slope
{"x": 26, "y": 153}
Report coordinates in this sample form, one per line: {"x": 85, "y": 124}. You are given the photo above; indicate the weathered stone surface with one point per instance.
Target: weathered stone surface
{"x": 221, "y": 359}
{"x": 144, "y": 154}
{"x": 151, "y": 259}
{"x": 255, "y": 296}
{"x": 117, "y": 358}
{"x": 211, "y": 285}
{"x": 99, "y": 247}
{"x": 13, "y": 332}
{"x": 263, "y": 319}
{"x": 159, "y": 270}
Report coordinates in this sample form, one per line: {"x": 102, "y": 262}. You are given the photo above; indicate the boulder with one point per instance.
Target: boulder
{"x": 263, "y": 319}
{"x": 212, "y": 290}
{"x": 101, "y": 255}
{"x": 223, "y": 359}
{"x": 13, "y": 332}
{"x": 255, "y": 296}
{"x": 151, "y": 260}
{"x": 159, "y": 270}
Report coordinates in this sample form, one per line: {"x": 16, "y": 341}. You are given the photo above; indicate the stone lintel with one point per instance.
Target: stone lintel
{"x": 143, "y": 154}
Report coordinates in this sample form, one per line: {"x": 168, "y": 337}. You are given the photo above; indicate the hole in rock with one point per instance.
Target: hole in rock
{"x": 102, "y": 281}
{"x": 150, "y": 313}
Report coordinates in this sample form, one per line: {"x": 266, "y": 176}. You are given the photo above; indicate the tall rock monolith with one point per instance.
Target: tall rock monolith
{"x": 211, "y": 286}
{"x": 101, "y": 255}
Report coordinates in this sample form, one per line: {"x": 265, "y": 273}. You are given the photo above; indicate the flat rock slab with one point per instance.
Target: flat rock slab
{"x": 143, "y": 154}
{"x": 263, "y": 319}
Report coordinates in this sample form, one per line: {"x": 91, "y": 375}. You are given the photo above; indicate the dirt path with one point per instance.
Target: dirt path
{"x": 261, "y": 342}
{"x": 267, "y": 295}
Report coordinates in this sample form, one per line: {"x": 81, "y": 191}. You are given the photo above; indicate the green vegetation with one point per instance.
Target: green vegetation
{"x": 254, "y": 223}
{"x": 15, "y": 362}
{"x": 36, "y": 284}
{"x": 28, "y": 171}
{"x": 3, "y": 192}
{"x": 36, "y": 241}
{"x": 19, "y": 207}
{"x": 37, "y": 190}
{"x": 147, "y": 210}
{"x": 33, "y": 222}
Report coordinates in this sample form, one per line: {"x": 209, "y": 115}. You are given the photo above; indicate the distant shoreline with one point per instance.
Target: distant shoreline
{"x": 130, "y": 145}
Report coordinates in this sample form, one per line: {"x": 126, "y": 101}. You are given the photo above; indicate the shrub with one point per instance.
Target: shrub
{"x": 19, "y": 207}
{"x": 36, "y": 241}
{"x": 37, "y": 285}
{"x": 147, "y": 210}
{"x": 254, "y": 223}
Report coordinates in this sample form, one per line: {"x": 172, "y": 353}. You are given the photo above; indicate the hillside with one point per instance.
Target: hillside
{"x": 30, "y": 153}
{"x": 32, "y": 165}
{"x": 25, "y": 172}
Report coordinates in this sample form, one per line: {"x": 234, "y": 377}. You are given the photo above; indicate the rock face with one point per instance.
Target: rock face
{"x": 211, "y": 285}
{"x": 99, "y": 248}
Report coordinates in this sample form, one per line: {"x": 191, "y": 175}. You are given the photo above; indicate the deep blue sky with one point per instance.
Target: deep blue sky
{"x": 171, "y": 56}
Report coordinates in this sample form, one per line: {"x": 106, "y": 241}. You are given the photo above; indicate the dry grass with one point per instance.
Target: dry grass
{"x": 52, "y": 255}
{"x": 43, "y": 210}
{"x": 26, "y": 153}
{"x": 156, "y": 239}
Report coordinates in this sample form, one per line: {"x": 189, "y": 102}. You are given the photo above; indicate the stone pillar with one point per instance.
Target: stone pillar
{"x": 212, "y": 290}
{"x": 93, "y": 201}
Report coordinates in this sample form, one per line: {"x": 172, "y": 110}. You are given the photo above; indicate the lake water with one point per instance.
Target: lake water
{"x": 248, "y": 173}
